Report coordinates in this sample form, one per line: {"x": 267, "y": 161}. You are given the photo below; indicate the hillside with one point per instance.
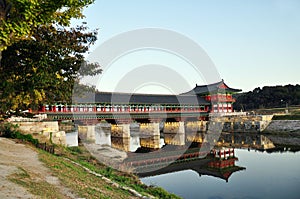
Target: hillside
{"x": 268, "y": 97}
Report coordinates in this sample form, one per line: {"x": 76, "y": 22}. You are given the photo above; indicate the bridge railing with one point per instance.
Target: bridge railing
{"x": 69, "y": 109}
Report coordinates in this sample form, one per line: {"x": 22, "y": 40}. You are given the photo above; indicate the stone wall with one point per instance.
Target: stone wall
{"x": 43, "y": 131}
{"x": 284, "y": 126}
{"x": 284, "y": 132}
{"x": 246, "y": 126}
{"x": 250, "y": 123}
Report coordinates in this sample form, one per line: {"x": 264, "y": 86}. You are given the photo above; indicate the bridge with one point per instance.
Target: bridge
{"x": 125, "y": 107}
{"x": 177, "y": 115}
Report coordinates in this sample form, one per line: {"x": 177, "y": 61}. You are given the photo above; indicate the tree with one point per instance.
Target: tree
{"x": 45, "y": 68}
{"x": 269, "y": 97}
{"x": 19, "y": 18}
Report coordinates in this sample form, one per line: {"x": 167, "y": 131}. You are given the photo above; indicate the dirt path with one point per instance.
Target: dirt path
{"x": 13, "y": 158}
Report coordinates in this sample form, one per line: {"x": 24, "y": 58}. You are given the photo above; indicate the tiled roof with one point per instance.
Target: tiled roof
{"x": 219, "y": 86}
{"x": 127, "y": 98}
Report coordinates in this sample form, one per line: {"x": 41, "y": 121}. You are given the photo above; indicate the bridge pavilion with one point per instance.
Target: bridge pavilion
{"x": 219, "y": 95}
{"x": 216, "y": 98}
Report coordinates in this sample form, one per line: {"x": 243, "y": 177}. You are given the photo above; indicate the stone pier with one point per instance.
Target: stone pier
{"x": 194, "y": 137}
{"x": 174, "y": 133}
{"x": 120, "y": 130}
{"x": 150, "y": 129}
{"x": 151, "y": 142}
{"x": 87, "y": 133}
{"x": 175, "y": 139}
{"x": 121, "y": 143}
{"x": 150, "y": 135}
{"x": 174, "y": 127}
{"x": 195, "y": 126}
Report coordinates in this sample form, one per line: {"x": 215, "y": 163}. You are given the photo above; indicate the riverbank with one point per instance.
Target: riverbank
{"x": 74, "y": 173}
{"x": 23, "y": 175}
{"x": 284, "y": 132}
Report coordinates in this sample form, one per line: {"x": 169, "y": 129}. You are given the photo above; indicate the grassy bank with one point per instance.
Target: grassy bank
{"x": 286, "y": 117}
{"x": 88, "y": 185}
{"x": 281, "y": 114}
{"x": 42, "y": 189}
{"x": 292, "y": 110}
{"x": 81, "y": 173}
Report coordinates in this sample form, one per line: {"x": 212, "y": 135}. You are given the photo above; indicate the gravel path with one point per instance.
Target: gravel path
{"x": 14, "y": 156}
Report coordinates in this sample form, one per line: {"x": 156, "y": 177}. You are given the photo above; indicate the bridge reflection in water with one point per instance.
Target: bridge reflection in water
{"x": 173, "y": 149}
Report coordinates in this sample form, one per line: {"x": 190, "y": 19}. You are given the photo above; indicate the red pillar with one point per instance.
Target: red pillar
{"x": 43, "y": 109}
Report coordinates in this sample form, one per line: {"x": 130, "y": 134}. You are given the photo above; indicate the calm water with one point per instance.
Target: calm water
{"x": 267, "y": 175}
{"x": 264, "y": 175}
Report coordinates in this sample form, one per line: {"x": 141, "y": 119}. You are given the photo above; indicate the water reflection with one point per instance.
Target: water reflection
{"x": 152, "y": 150}
{"x": 103, "y": 136}
{"x": 219, "y": 163}
{"x": 266, "y": 176}
{"x": 244, "y": 140}
{"x": 72, "y": 139}
{"x": 183, "y": 162}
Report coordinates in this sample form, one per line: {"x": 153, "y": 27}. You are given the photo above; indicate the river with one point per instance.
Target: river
{"x": 267, "y": 175}
{"x": 255, "y": 166}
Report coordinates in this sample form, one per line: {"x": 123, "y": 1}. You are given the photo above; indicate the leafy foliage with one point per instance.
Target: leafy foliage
{"x": 269, "y": 97}
{"x": 45, "y": 68}
{"x": 9, "y": 130}
{"x": 19, "y": 18}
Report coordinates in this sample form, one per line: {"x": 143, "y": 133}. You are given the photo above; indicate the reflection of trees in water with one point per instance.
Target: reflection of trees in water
{"x": 283, "y": 148}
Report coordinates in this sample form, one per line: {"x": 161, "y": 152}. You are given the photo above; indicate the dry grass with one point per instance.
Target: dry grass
{"x": 39, "y": 188}
{"x": 77, "y": 179}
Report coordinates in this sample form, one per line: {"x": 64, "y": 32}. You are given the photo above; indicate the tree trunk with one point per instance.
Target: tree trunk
{"x": 0, "y": 58}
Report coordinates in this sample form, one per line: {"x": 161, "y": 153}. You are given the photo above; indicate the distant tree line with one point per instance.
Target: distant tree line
{"x": 268, "y": 97}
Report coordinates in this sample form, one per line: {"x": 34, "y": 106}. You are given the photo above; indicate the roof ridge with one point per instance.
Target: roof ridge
{"x": 212, "y": 84}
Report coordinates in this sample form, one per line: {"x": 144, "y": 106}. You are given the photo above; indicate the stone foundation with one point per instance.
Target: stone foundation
{"x": 43, "y": 131}
{"x": 150, "y": 129}
{"x": 120, "y": 130}
{"x": 87, "y": 133}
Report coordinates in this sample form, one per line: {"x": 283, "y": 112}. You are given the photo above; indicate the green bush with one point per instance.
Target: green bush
{"x": 9, "y": 130}
{"x": 74, "y": 150}
{"x": 286, "y": 117}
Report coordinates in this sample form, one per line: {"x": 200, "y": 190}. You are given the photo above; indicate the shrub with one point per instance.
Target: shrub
{"x": 9, "y": 130}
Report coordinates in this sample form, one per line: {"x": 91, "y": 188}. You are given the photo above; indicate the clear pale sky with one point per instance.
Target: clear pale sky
{"x": 252, "y": 43}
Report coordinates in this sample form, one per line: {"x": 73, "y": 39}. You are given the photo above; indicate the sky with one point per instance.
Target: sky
{"x": 250, "y": 43}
